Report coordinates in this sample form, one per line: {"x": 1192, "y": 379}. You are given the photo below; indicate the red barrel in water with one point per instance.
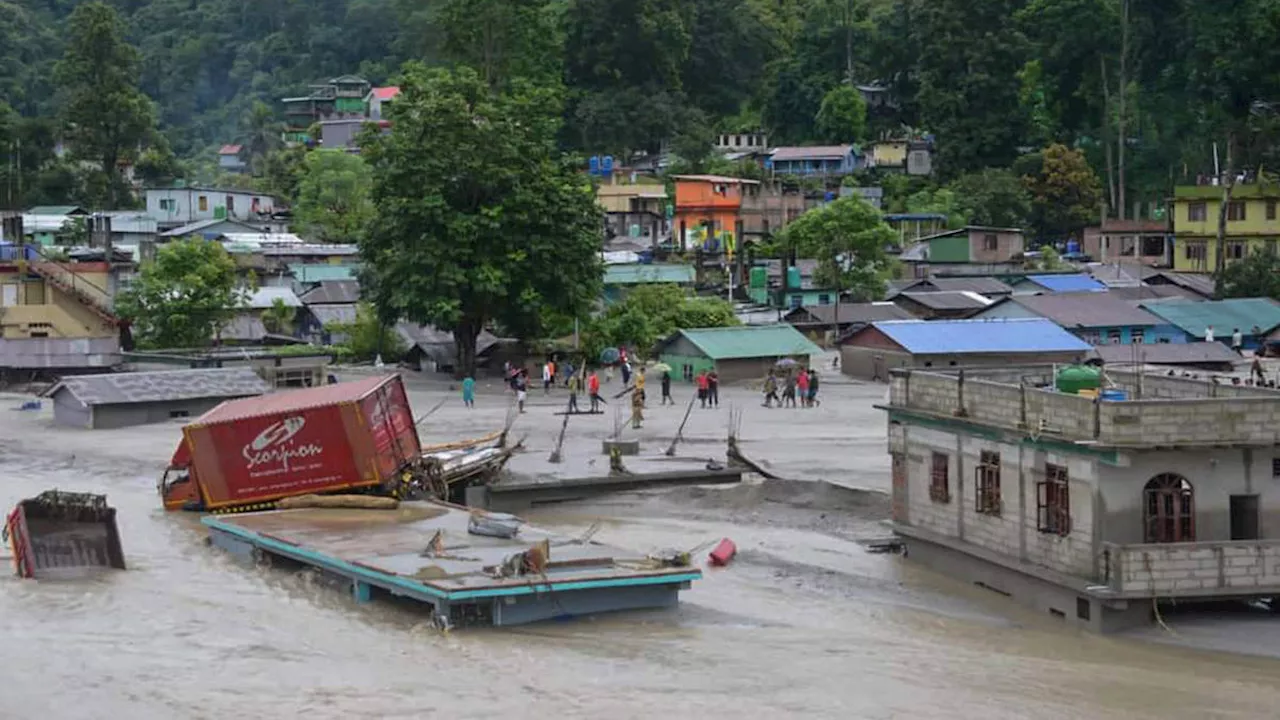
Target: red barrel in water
{"x": 723, "y": 552}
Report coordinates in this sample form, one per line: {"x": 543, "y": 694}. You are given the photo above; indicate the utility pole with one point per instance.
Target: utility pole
{"x": 1227, "y": 180}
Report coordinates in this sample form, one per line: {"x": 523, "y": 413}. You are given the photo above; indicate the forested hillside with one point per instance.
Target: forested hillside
{"x": 991, "y": 79}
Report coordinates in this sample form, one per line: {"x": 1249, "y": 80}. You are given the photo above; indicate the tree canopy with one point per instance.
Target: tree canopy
{"x": 182, "y": 297}
{"x": 503, "y": 229}
{"x": 333, "y": 202}
{"x": 849, "y": 240}
{"x": 649, "y": 313}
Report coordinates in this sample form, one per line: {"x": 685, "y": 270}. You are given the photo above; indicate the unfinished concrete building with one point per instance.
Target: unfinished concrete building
{"x": 1092, "y": 510}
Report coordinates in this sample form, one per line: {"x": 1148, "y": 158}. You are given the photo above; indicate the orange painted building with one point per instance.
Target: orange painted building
{"x": 709, "y": 206}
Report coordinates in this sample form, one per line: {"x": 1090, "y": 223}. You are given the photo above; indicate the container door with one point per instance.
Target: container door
{"x": 395, "y": 437}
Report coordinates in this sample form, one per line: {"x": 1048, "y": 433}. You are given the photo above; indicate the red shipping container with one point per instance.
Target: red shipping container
{"x": 349, "y": 435}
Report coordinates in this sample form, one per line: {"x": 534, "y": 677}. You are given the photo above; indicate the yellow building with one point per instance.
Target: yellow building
{"x": 622, "y": 197}
{"x": 56, "y": 315}
{"x": 889, "y": 153}
{"x": 1253, "y": 224}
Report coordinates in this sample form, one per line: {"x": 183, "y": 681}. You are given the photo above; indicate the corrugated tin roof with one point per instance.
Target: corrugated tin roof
{"x": 323, "y": 272}
{"x": 1198, "y": 283}
{"x": 310, "y": 250}
{"x": 56, "y": 210}
{"x": 1143, "y": 293}
{"x": 332, "y": 292}
{"x": 167, "y": 385}
{"x": 725, "y": 179}
{"x": 817, "y": 152}
{"x": 1223, "y": 315}
{"x": 244, "y": 327}
{"x": 1168, "y": 353}
{"x": 850, "y": 313}
{"x": 749, "y": 341}
{"x": 338, "y": 314}
{"x": 1067, "y": 283}
{"x": 260, "y": 239}
{"x": 980, "y": 285}
{"x": 197, "y": 228}
{"x": 643, "y": 274}
{"x": 265, "y": 297}
{"x": 947, "y": 337}
{"x": 1087, "y": 309}
{"x": 428, "y": 335}
{"x": 947, "y": 300}
{"x": 293, "y": 400}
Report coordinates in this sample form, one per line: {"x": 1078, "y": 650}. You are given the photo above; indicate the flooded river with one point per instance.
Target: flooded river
{"x": 804, "y": 624}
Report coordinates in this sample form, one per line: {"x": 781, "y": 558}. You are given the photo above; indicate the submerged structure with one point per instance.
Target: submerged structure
{"x": 1094, "y": 506}
{"x": 454, "y": 561}
{"x": 58, "y": 532}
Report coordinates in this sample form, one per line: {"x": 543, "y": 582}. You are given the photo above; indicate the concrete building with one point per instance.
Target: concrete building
{"x": 1253, "y": 224}
{"x": 1090, "y": 510}
{"x": 177, "y": 206}
{"x": 377, "y": 100}
{"x": 636, "y": 210}
{"x": 1148, "y": 243}
{"x": 971, "y": 250}
{"x": 735, "y": 353}
{"x": 873, "y": 351}
{"x": 98, "y": 402}
{"x": 708, "y": 210}
{"x": 229, "y": 159}
{"x": 54, "y": 315}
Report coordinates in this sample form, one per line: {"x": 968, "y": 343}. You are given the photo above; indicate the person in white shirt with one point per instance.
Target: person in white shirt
{"x": 1208, "y": 334}
{"x": 1237, "y": 341}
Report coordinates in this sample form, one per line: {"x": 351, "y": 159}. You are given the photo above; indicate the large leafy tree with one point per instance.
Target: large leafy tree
{"x": 106, "y": 116}
{"x": 842, "y": 117}
{"x": 183, "y": 297}
{"x": 333, "y": 202}
{"x": 261, "y": 134}
{"x": 849, "y": 239}
{"x": 500, "y": 229}
{"x": 1065, "y": 193}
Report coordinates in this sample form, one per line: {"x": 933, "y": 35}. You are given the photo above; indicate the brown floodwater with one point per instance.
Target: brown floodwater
{"x": 804, "y": 624}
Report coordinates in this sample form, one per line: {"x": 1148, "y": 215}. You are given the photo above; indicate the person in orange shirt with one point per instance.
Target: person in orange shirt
{"x": 593, "y": 388}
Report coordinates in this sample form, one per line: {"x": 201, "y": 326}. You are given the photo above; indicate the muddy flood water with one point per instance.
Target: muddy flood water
{"x": 804, "y": 624}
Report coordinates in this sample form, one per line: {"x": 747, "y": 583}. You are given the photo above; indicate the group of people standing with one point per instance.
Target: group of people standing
{"x": 708, "y": 388}
{"x": 799, "y": 389}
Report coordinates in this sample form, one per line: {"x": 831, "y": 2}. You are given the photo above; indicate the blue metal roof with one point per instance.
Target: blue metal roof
{"x": 938, "y": 337}
{"x": 1067, "y": 283}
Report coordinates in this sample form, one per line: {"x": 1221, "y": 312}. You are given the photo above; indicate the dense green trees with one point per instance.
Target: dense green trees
{"x": 650, "y": 313}
{"x": 183, "y": 297}
{"x": 501, "y": 229}
{"x": 1142, "y": 88}
{"x": 333, "y": 202}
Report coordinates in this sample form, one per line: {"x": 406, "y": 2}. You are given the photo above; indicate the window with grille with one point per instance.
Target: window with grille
{"x": 1271, "y": 209}
{"x": 990, "y": 243}
{"x": 1236, "y": 210}
{"x": 1053, "y": 501}
{"x": 1235, "y": 251}
{"x": 939, "y": 482}
{"x": 1169, "y": 510}
{"x": 987, "y": 483}
{"x": 1196, "y": 211}
{"x": 1114, "y": 337}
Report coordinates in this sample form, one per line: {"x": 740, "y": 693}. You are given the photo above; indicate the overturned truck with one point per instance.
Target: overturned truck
{"x": 352, "y": 437}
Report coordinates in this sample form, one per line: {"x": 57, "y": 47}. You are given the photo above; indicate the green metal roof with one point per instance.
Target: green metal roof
{"x": 748, "y": 341}
{"x": 637, "y": 274}
{"x": 304, "y": 273}
{"x": 1224, "y": 315}
{"x": 56, "y": 210}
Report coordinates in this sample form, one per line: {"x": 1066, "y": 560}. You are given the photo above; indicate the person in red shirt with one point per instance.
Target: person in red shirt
{"x": 802, "y": 384}
{"x": 593, "y": 388}
{"x": 703, "y": 384}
